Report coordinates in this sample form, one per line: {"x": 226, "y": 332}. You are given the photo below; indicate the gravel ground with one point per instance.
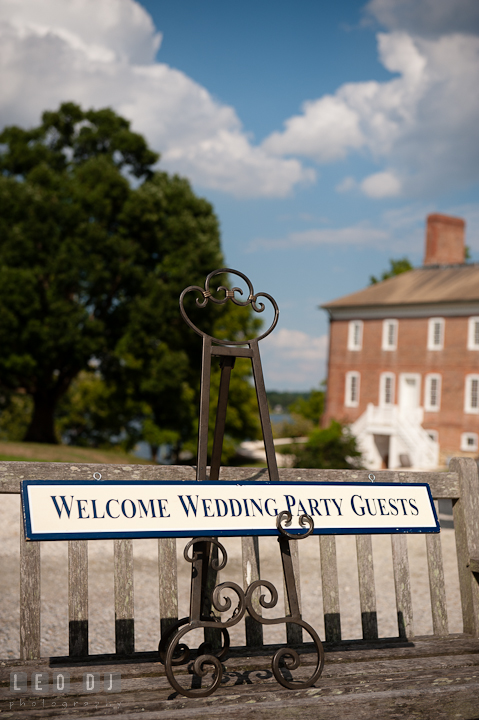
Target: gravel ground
{"x": 54, "y": 612}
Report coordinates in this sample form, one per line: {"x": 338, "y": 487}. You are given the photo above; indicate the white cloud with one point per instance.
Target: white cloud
{"x": 363, "y": 235}
{"x": 427, "y": 18}
{"x": 381, "y": 185}
{"x": 423, "y": 124}
{"x": 294, "y": 360}
{"x": 420, "y": 127}
{"x": 348, "y": 183}
{"x": 101, "y": 53}
{"x": 101, "y": 30}
{"x": 400, "y": 231}
{"x": 326, "y": 131}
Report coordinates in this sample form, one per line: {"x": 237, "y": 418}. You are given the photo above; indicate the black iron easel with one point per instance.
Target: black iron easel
{"x": 206, "y": 595}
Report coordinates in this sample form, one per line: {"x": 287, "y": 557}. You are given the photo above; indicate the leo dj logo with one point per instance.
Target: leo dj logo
{"x": 59, "y": 682}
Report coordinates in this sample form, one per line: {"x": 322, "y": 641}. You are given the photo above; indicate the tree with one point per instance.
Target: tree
{"x": 91, "y": 414}
{"x": 311, "y": 408}
{"x": 283, "y": 399}
{"x": 305, "y": 411}
{"x": 396, "y": 268}
{"x": 15, "y": 411}
{"x": 329, "y": 448}
{"x": 95, "y": 249}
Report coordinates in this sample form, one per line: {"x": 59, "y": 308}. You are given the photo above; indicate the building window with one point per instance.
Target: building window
{"x": 433, "y": 434}
{"x": 432, "y": 399}
{"x": 471, "y": 400}
{"x": 386, "y": 389}
{"x": 469, "y": 442}
{"x": 473, "y": 334}
{"x": 435, "y": 334}
{"x": 355, "y": 335}
{"x": 352, "y": 389}
{"x": 390, "y": 334}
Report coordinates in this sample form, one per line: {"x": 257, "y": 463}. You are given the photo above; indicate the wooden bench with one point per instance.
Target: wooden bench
{"x": 428, "y": 677}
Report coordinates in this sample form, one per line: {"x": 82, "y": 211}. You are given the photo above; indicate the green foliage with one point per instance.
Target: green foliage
{"x": 15, "y": 414}
{"x": 91, "y": 268}
{"x": 284, "y": 399}
{"x": 467, "y": 253}
{"x": 305, "y": 410}
{"x": 297, "y": 426}
{"x": 329, "y": 448}
{"x": 396, "y": 268}
{"x": 89, "y": 415}
{"x": 242, "y": 417}
{"x": 311, "y": 407}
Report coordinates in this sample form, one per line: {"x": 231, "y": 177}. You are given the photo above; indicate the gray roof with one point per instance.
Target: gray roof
{"x": 430, "y": 285}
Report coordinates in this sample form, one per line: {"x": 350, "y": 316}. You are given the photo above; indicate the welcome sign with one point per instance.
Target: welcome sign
{"x": 92, "y": 509}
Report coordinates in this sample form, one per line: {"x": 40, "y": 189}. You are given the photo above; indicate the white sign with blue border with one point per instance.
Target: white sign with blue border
{"x": 92, "y": 509}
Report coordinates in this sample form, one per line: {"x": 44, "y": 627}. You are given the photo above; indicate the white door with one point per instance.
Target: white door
{"x": 409, "y": 391}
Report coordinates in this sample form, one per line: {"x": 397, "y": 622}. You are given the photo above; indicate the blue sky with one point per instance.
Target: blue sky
{"x": 323, "y": 133}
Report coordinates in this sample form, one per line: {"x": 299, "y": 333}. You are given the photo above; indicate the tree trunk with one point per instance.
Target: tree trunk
{"x": 42, "y": 424}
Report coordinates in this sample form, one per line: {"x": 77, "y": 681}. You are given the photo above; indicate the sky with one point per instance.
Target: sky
{"x": 323, "y": 133}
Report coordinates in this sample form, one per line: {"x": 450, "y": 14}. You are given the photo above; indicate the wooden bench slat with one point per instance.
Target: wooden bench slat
{"x": 251, "y": 573}
{"x": 402, "y": 584}
{"x": 29, "y": 599}
{"x": 124, "y": 597}
{"x": 78, "y": 597}
{"x": 466, "y": 526}
{"x": 443, "y": 485}
{"x": 437, "y": 585}
{"x": 330, "y": 586}
{"x": 168, "y": 583}
{"x": 367, "y": 587}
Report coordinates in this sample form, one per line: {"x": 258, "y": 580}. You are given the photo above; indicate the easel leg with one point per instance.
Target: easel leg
{"x": 264, "y": 413}
{"x": 204, "y": 411}
{"x": 227, "y": 364}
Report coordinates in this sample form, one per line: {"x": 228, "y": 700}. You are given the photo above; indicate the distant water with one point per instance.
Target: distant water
{"x": 278, "y": 418}
{"x": 142, "y": 450}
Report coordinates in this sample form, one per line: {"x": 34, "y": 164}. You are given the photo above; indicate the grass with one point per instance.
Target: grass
{"x": 39, "y": 452}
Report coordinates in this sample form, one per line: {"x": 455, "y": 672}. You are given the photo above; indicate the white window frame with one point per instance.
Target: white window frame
{"x": 469, "y": 407}
{"x": 385, "y": 376}
{"x": 349, "y": 401}
{"x": 428, "y": 406}
{"x": 473, "y": 322}
{"x": 465, "y": 437}
{"x": 433, "y": 434}
{"x": 386, "y": 344}
{"x": 431, "y": 344}
{"x": 355, "y": 342}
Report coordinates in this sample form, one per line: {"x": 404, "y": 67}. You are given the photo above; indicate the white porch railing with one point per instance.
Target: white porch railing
{"x": 407, "y": 436}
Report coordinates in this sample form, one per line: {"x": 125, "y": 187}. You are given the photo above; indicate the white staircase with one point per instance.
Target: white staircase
{"x": 407, "y": 438}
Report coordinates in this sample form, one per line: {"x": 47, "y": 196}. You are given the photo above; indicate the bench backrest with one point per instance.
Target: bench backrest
{"x": 460, "y": 484}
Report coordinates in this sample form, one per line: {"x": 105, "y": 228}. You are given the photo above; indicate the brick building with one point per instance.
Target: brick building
{"x": 404, "y": 358}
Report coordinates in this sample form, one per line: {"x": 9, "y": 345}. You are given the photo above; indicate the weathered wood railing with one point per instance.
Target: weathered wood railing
{"x": 461, "y": 485}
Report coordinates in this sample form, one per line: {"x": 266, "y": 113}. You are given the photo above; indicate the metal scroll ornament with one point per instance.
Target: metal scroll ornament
{"x": 208, "y": 296}
{"x": 208, "y": 556}
{"x": 207, "y": 665}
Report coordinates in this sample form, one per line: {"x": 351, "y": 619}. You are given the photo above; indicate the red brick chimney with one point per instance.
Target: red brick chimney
{"x": 444, "y": 240}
